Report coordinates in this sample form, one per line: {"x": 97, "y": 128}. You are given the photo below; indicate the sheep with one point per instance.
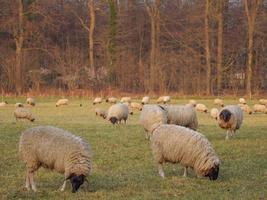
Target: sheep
{"x": 137, "y": 106}
{"x": 30, "y": 101}
{"x": 126, "y": 99}
{"x": 101, "y": 113}
{"x": 192, "y": 102}
{"x": 19, "y": 105}
{"x": 97, "y": 100}
{"x": 230, "y": 118}
{"x": 245, "y": 108}
{"x": 242, "y": 101}
{"x": 219, "y": 102}
{"x": 177, "y": 144}
{"x": 164, "y": 99}
{"x": 263, "y": 101}
{"x": 3, "y": 103}
{"x": 62, "y": 102}
{"x": 201, "y": 107}
{"x": 23, "y": 113}
{"x": 145, "y": 100}
{"x": 214, "y": 113}
{"x": 111, "y": 100}
{"x": 56, "y": 149}
{"x": 118, "y": 112}
{"x": 260, "y": 108}
{"x": 151, "y": 117}
{"x": 182, "y": 115}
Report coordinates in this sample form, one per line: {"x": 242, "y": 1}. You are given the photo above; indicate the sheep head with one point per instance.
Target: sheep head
{"x": 76, "y": 181}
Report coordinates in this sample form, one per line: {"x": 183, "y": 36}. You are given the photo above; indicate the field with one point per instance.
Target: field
{"x": 123, "y": 167}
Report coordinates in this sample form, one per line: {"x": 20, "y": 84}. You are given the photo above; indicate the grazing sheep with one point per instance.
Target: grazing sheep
{"x": 62, "y": 102}
{"x": 56, "y": 149}
{"x": 245, "y": 108}
{"x": 101, "y": 113}
{"x": 201, "y": 107}
{"x": 97, "y": 100}
{"x": 151, "y": 117}
{"x": 118, "y": 112}
{"x": 4, "y": 103}
{"x": 19, "y": 105}
{"x": 218, "y": 102}
{"x": 23, "y": 113}
{"x": 214, "y": 113}
{"x": 177, "y": 144}
{"x": 230, "y": 118}
{"x": 263, "y": 101}
{"x": 145, "y": 100}
{"x": 242, "y": 101}
{"x": 182, "y": 115}
{"x": 30, "y": 101}
{"x": 164, "y": 99}
{"x": 192, "y": 102}
{"x": 126, "y": 99}
{"x": 137, "y": 106}
{"x": 111, "y": 100}
{"x": 260, "y": 108}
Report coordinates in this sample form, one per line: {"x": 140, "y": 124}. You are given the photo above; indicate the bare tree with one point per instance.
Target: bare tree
{"x": 91, "y": 13}
{"x": 207, "y": 47}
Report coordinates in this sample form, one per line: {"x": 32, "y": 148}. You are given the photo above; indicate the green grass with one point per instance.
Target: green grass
{"x": 123, "y": 167}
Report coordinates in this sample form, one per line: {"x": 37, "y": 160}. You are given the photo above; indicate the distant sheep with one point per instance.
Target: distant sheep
{"x": 263, "y": 101}
{"x": 97, "y": 100}
{"x": 100, "y": 112}
{"x": 23, "y": 113}
{"x": 260, "y": 108}
{"x": 164, "y": 99}
{"x": 19, "y": 105}
{"x": 117, "y": 113}
{"x": 230, "y": 118}
{"x": 201, "y": 107}
{"x": 242, "y": 100}
{"x": 245, "y": 108}
{"x": 192, "y": 102}
{"x": 219, "y": 102}
{"x": 126, "y": 99}
{"x": 30, "y": 101}
{"x": 4, "y": 103}
{"x": 177, "y": 144}
{"x": 111, "y": 100}
{"x": 214, "y": 113}
{"x": 56, "y": 149}
{"x": 62, "y": 102}
{"x": 145, "y": 100}
{"x": 135, "y": 105}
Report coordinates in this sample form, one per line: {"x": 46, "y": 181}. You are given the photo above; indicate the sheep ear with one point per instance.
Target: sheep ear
{"x": 70, "y": 176}
{"x": 161, "y": 107}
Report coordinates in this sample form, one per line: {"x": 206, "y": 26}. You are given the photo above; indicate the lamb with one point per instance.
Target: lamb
{"x": 19, "y": 105}
{"x": 101, "y": 113}
{"x": 245, "y": 108}
{"x": 56, "y": 149}
{"x": 263, "y": 101}
{"x": 3, "y": 103}
{"x": 192, "y": 102}
{"x": 62, "y": 102}
{"x": 23, "y": 113}
{"x": 182, "y": 115}
{"x": 214, "y": 113}
{"x": 118, "y": 112}
{"x": 30, "y": 101}
{"x": 230, "y": 118}
{"x": 218, "y": 102}
{"x": 137, "y": 106}
{"x": 164, "y": 99}
{"x": 111, "y": 100}
{"x": 260, "y": 108}
{"x": 145, "y": 100}
{"x": 126, "y": 99}
{"x": 242, "y": 101}
{"x": 201, "y": 107}
{"x": 97, "y": 100}
{"x": 177, "y": 144}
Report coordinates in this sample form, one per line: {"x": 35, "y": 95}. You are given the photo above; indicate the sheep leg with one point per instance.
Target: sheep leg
{"x": 62, "y": 188}
{"x": 227, "y": 135}
{"x": 161, "y": 172}
{"x": 185, "y": 172}
{"x": 32, "y": 182}
{"x": 27, "y": 184}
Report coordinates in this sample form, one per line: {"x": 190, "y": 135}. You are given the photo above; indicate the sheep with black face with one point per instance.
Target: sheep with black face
{"x": 118, "y": 112}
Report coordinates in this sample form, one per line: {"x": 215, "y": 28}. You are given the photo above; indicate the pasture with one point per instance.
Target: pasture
{"x": 123, "y": 166}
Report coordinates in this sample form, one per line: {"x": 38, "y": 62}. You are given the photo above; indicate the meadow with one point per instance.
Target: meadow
{"x": 123, "y": 166}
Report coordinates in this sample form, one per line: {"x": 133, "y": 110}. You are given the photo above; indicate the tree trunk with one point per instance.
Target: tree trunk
{"x": 91, "y": 36}
{"x": 207, "y": 46}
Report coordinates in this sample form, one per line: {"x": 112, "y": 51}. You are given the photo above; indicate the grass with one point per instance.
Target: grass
{"x": 123, "y": 167}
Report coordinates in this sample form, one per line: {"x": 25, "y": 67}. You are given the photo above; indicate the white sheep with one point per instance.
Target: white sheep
{"x": 19, "y": 105}
{"x": 245, "y": 108}
{"x": 145, "y": 100}
{"x": 201, "y": 107}
{"x": 219, "y": 102}
{"x": 164, "y": 99}
{"x": 4, "y": 103}
{"x": 230, "y": 118}
{"x": 126, "y": 99}
{"x": 100, "y": 112}
{"x": 111, "y": 100}
{"x": 23, "y": 113}
{"x": 214, "y": 113}
{"x": 62, "y": 102}
{"x": 192, "y": 102}
{"x": 182, "y": 115}
{"x": 56, "y": 149}
{"x": 260, "y": 108}
{"x": 97, "y": 100}
{"x": 135, "y": 105}
{"x": 263, "y": 101}
{"x": 177, "y": 144}
{"x": 118, "y": 112}
{"x": 242, "y": 101}
{"x": 30, "y": 101}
